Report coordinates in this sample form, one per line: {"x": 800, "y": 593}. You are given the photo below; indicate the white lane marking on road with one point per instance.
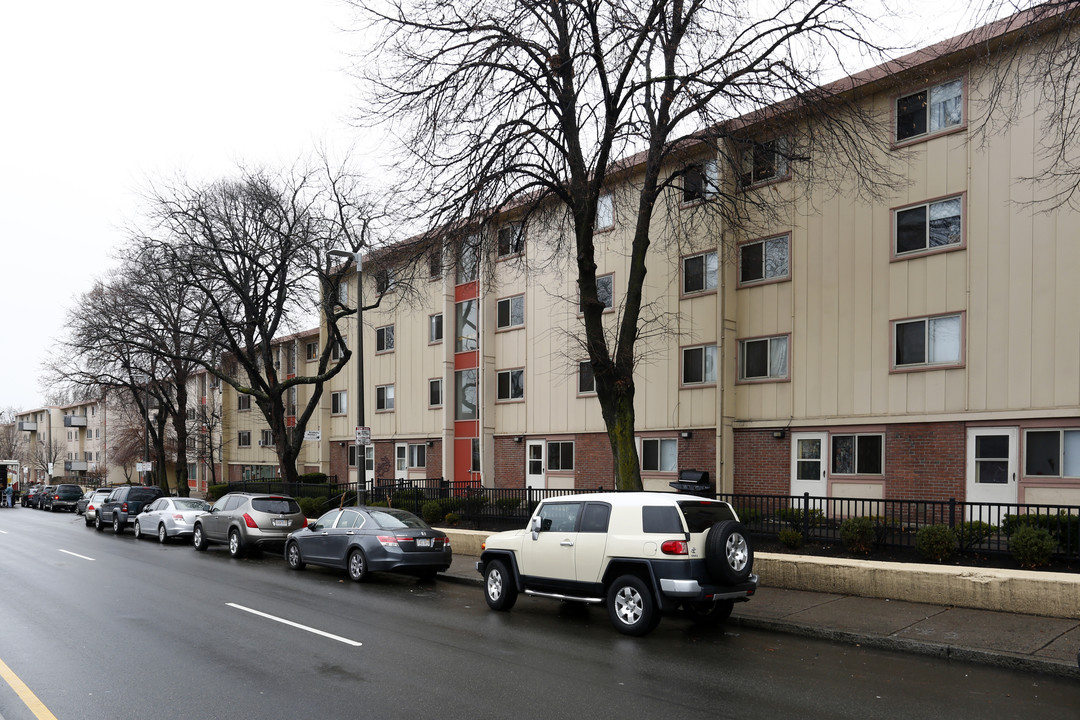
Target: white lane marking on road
{"x": 76, "y": 554}
{"x": 283, "y": 621}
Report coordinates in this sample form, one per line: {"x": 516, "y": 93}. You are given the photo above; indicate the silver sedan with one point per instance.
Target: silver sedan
{"x": 169, "y": 517}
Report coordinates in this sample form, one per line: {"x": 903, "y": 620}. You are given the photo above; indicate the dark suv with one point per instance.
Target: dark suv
{"x": 63, "y": 497}
{"x": 123, "y": 505}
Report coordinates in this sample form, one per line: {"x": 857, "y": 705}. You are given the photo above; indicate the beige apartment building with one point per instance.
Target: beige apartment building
{"x": 919, "y": 345}
{"x": 71, "y": 439}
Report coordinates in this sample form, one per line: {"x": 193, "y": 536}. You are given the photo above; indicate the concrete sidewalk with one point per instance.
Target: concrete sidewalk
{"x": 1025, "y": 642}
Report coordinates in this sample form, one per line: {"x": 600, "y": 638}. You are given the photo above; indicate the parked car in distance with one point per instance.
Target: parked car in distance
{"x": 362, "y": 540}
{"x": 80, "y": 506}
{"x": 169, "y": 517}
{"x": 96, "y": 498}
{"x": 248, "y": 521}
{"x": 38, "y": 501}
{"x": 638, "y": 553}
{"x": 63, "y": 497}
{"x": 123, "y": 504}
{"x": 27, "y": 499}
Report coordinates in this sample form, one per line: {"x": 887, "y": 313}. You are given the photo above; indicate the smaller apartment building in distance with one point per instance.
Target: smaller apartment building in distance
{"x": 73, "y": 439}
{"x": 920, "y": 345}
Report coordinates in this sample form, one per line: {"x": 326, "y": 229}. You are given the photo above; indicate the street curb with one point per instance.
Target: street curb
{"x": 994, "y": 658}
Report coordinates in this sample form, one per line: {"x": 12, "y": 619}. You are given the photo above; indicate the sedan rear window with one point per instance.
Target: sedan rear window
{"x": 395, "y": 519}
{"x": 277, "y": 506}
{"x": 701, "y": 515}
{"x": 191, "y": 504}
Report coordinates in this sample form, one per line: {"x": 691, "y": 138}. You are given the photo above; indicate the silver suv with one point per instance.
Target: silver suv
{"x": 248, "y": 520}
{"x": 640, "y": 554}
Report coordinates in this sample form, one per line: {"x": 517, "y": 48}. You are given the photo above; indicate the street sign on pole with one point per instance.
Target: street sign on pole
{"x": 363, "y": 435}
{"x": 313, "y": 435}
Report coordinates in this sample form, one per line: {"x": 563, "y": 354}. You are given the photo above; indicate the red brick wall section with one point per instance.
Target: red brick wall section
{"x": 434, "y": 460}
{"x": 509, "y": 463}
{"x": 925, "y": 461}
{"x": 339, "y": 461}
{"x": 762, "y": 463}
{"x": 594, "y": 466}
{"x": 698, "y": 452}
{"x": 384, "y": 460}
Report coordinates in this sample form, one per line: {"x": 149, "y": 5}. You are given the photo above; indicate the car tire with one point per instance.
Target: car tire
{"x": 728, "y": 553}
{"x": 198, "y": 539}
{"x": 631, "y": 606}
{"x": 117, "y": 526}
{"x": 138, "y": 530}
{"x": 88, "y": 521}
{"x": 500, "y": 590}
{"x": 98, "y": 524}
{"x": 709, "y": 613}
{"x": 293, "y": 557}
{"x": 236, "y": 544}
{"x": 357, "y": 565}
{"x": 162, "y": 534}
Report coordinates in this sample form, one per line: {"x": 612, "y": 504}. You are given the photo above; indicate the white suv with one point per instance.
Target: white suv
{"x": 639, "y": 553}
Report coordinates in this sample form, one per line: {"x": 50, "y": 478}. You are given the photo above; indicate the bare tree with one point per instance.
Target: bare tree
{"x": 537, "y": 107}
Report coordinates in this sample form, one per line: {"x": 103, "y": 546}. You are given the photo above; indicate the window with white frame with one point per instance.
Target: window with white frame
{"x": 243, "y": 438}
{"x": 763, "y": 260}
{"x": 930, "y": 110}
{"x": 417, "y": 455}
{"x": 384, "y": 338}
{"x": 858, "y": 454}
{"x": 605, "y": 212}
{"x": 243, "y": 402}
{"x": 511, "y": 240}
{"x": 465, "y": 327}
{"x": 465, "y": 399}
{"x": 384, "y": 397}
{"x": 928, "y": 341}
{"x": 700, "y": 272}
{"x": 586, "y": 384}
{"x": 659, "y": 454}
{"x": 605, "y": 291}
{"x": 338, "y": 349}
{"x": 763, "y": 161}
{"x": 435, "y": 331}
{"x": 384, "y": 280}
{"x": 700, "y": 181}
{"x": 1052, "y": 453}
{"x": 468, "y": 260}
{"x": 929, "y": 226}
{"x": 560, "y": 456}
{"x": 510, "y": 312}
{"x": 266, "y": 438}
{"x": 763, "y": 358}
{"x": 312, "y": 350}
{"x": 435, "y": 393}
{"x": 510, "y": 385}
{"x": 339, "y": 402}
{"x": 699, "y": 365}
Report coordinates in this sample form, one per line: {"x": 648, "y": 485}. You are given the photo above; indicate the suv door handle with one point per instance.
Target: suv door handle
{"x": 567, "y": 543}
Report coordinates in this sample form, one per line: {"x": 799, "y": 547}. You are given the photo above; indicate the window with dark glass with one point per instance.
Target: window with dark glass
{"x": 857, "y": 454}
{"x": 560, "y": 455}
{"x": 763, "y": 260}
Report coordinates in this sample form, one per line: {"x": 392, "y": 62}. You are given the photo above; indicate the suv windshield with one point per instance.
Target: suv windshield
{"x": 277, "y": 505}
{"x": 701, "y": 515}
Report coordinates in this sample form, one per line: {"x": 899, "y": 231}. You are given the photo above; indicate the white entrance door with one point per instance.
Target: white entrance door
{"x": 401, "y": 461}
{"x": 535, "y": 478}
{"x": 808, "y": 457}
{"x": 991, "y": 470}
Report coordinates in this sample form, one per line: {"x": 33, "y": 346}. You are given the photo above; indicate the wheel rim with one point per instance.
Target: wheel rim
{"x": 161, "y": 534}
{"x": 116, "y": 524}
{"x": 197, "y": 537}
{"x": 234, "y": 542}
{"x": 494, "y": 585}
{"x": 737, "y": 552}
{"x": 294, "y": 555}
{"x": 138, "y": 529}
{"x": 628, "y": 605}
{"x": 356, "y": 565}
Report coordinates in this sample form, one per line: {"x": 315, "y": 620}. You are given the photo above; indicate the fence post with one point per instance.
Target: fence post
{"x": 952, "y": 513}
{"x": 806, "y": 517}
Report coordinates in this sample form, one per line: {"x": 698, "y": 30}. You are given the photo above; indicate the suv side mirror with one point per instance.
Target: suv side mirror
{"x": 534, "y": 526}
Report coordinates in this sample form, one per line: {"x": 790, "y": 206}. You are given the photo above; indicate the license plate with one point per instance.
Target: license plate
{"x": 423, "y": 542}
{"x": 280, "y": 523}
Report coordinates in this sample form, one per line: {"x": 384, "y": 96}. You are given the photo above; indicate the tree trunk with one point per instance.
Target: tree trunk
{"x": 618, "y": 411}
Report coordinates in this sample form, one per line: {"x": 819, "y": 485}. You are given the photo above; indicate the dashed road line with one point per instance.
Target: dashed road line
{"x": 290, "y": 623}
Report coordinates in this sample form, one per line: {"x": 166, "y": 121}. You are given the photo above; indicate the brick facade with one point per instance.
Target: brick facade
{"x": 762, "y": 463}
{"x": 509, "y": 463}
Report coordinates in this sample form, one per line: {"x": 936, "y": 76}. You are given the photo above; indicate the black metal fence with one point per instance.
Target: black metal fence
{"x": 979, "y": 527}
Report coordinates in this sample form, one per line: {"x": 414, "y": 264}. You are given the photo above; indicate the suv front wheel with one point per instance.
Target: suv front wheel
{"x": 631, "y": 606}
{"x": 198, "y": 539}
{"x": 499, "y": 589}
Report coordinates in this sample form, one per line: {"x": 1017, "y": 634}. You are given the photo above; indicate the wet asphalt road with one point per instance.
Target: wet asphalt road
{"x": 98, "y": 626}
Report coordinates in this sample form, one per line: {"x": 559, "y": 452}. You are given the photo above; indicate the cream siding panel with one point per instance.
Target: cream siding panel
{"x": 1067, "y": 330}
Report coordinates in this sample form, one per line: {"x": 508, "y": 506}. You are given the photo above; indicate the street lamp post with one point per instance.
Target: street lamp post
{"x": 361, "y": 450}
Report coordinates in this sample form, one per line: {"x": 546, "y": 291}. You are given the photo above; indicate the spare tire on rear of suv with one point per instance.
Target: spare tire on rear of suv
{"x": 728, "y": 553}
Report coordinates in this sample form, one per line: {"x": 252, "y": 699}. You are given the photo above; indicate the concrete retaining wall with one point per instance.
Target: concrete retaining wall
{"x": 1016, "y": 591}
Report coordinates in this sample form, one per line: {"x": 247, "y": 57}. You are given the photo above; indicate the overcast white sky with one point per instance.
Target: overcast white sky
{"x": 99, "y": 97}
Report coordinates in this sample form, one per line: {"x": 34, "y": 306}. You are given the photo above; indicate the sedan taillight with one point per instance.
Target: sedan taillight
{"x": 674, "y": 547}
{"x": 389, "y": 540}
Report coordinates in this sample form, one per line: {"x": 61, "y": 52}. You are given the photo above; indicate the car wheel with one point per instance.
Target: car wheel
{"x": 236, "y": 544}
{"x": 198, "y": 539}
{"x": 162, "y": 534}
{"x": 631, "y": 606}
{"x": 728, "y": 553}
{"x": 138, "y": 530}
{"x": 98, "y": 524}
{"x": 292, "y": 555}
{"x": 709, "y": 613}
{"x": 358, "y": 567}
{"x": 87, "y": 520}
{"x": 117, "y": 526}
{"x": 499, "y": 588}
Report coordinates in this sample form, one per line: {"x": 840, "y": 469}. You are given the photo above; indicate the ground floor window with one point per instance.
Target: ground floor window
{"x": 560, "y": 456}
{"x": 858, "y": 454}
{"x": 1052, "y": 453}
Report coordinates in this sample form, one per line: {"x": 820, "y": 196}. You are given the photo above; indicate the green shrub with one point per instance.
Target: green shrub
{"x": 935, "y": 542}
{"x": 432, "y": 511}
{"x": 794, "y": 517}
{"x": 1063, "y": 526}
{"x": 858, "y": 535}
{"x": 452, "y": 519}
{"x": 974, "y": 532}
{"x": 314, "y": 477}
{"x": 507, "y": 505}
{"x": 1032, "y": 547}
{"x": 791, "y": 538}
{"x": 214, "y": 492}
{"x": 748, "y": 514}
{"x": 312, "y": 507}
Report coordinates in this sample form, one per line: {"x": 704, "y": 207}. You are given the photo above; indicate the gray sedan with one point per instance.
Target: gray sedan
{"x": 365, "y": 539}
{"x": 169, "y": 517}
